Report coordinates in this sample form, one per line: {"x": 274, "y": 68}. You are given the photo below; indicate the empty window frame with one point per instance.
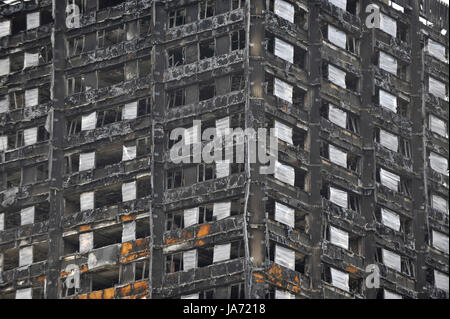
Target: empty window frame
{"x": 237, "y": 40}
{"x": 175, "y": 57}
{"x": 175, "y": 178}
{"x": 76, "y": 45}
{"x": 237, "y": 4}
{"x": 110, "y": 76}
{"x": 206, "y": 91}
{"x": 76, "y": 84}
{"x": 237, "y": 82}
{"x": 109, "y": 116}
{"x": 206, "y": 49}
{"x": 103, "y": 4}
{"x": 206, "y": 9}
{"x": 177, "y": 17}
{"x": 110, "y": 36}
{"x": 175, "y": 220}
{"x": 174, "y": 263}
{"x": 206, "y": 172}
{"x": 176, "y": 97}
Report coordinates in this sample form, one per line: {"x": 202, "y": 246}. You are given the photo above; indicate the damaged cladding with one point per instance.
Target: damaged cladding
{"x": 88, "y": 190}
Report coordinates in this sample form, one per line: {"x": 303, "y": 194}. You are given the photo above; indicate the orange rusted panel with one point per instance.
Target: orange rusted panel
{"x": 140, "y": 287}
{"x": 126, "y": 248}
{"x": 41, "y": 279}
{"x": 96, "y": 295}
{"x": 203, "y": 231}
{"x": 199, "y": 243}
{"x": 127, "y": 218}
{"x": 351, "y": 269}
{"x": 109, "y": 293}
{"x": 85, "y": 296}
{"x": 125, "y": 291}
{"x": 85, "y": 227}
{"x": 128, "y": 258}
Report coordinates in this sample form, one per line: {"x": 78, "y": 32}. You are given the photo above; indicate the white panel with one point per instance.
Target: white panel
{"x": 437, "y": 50}
{"x": 391, "y": 260}
{"x": 128, "y": 191}
{"x": 284, "y": 214}
{"x": 337, "y": 116}
{"x": 30, "y": 136}
{"x": 336, "y": 76}
{"x": 437, "y": 88}
{"x": 388, "y": 101}
{"x": 33, "y": 20}
{"x": 390, "y": 219}
{"x": 31, "y": 97}
{"x": 283, "y": 132}
{"x": 129, "y": 231}
{"x": 222, "y": 169}
{"x": 339, "y": 197}
{"x": 337, "y": 156}
{"x": 24, "y": 293}
{"x": 86, "y": 242}
{"x": 388, "y": 25}
{"x": 439, "y": 163}
{"x": 5, "y": 28}
{"x": 192, "y": 296}
{"x": 129, "y": 153}
{"x": 221, "y": 253}
{"x": 4, "y": 66}
{"x": 27, "y": 216}
{"x": 3, "y": 143}
{"x": 2, "y": 221}
{"x": 439, "y": 204}
{"x": 284, "y": 50}
{"x": 389, "y": 180}
{"x": 440, "y": 241}
{"x": 25, "y": 256}
{"x": 339, "y": 279}
{"x": 130, "y": 111}
{"x": 222, "y": 210}
{"x": 189, "y": 259}
{"x": 438, "y": 126}
{"x": 337, "y": 37}
{"x": 31, "y": 59}
{"x": 441, "y": 280}
{"x": 282, "y": 294}
{"x": 192, "y": 135}
{"x": 285, "y": 257}
{"x": 388, "y": 62}
{"x": 4, "y": 104}
{"x": 340, "y": 4}
{"x": 284, "y": 10}
{"x": 391, "y": 295}
{"x": 285, "y": 173}
{"x": 87, "y": 161}
{"x": 222, "y": 125}
{"x": 339, "y": 237}
{"x": 283, "y": 90}
{"x": 191, "y": 216}
{"x": 89, "y": 122}
{"x": 87, "y": 201}
{"x": 388, "y": 140}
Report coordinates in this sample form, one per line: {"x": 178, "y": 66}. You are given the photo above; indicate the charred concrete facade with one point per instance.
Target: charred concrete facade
{"x": 88, "y": 193}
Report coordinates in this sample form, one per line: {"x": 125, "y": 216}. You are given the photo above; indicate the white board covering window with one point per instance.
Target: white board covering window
{"x": 24, "y": 293}
{"x": 437, "y": 50}
{"x": 30, "y": 60}
{"x": 222, "y": 125}
{"x": 191, "y": 216}
{"x": 437, "y": 88}
{"x": 284, "y": 214}
{"x": 283, "y": 90}
{"x": 25, "y": 256}
{"x": 390, "y": 180}
{"x": 388, "y": 63}
{"x": 5, "y": 28}
{"x": 221, "y": 252}
{"x": 339, "y": 279}
{"x": 339, "y": 197}
{"x": 388, "y": 140}
{"x": 285, "y": 10}
{"x": 3, "y": 143}
{"x": 284, "y": 50}
{"x": 128, "y": 191}
{"x": 388, "y": 101}
{"x": 221, "y": 210}
{"x": 31, "y": 97}
{"x": 390, "y": 219}
{"x": 87, "y": 201}
{"x": 391, "y": 260}
{"x": 128, "y": 153}
{"x": 283, "y": 132}
{"x": 130, "y": 111}
{"x": 4, "y": 66}
{"x": 189, "y": 259}
{"x": 87, "y": 161}
{"x": 129, "y": 231}
{"x": 338, "y": 237}
{"x": 86, "y": 242}
{"x": 337, "y": 156}
{"x": 2, "y": 221}
{"x": 4, "y": 104}
{"x": 88, "y": 122}
{"x": 282, "y": 294}
{"x": 440, "y": 241}
{"x": 388, "y": 25}
{"x": 222, "y": 168}
{"x": 336, "y": 76}
{"x": 337, "y": 116}
{"x": 33, "y": 20}
{"x": 285, "y": 257}
{"x": 27, "y": 216}
{"x": 438, "y": 126}
{"x": 391, "y": 295}
{"x": 30, "y": 136}
{"x": 439, "y": 163}
{"x": 285, "y": 173}
{"x": 337, "y": 37}
{"x": 441, "y": 280}
{"x": 340, "y": 4}
{"x": 191, "y": 296}
{"x": 439, "y": 203}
